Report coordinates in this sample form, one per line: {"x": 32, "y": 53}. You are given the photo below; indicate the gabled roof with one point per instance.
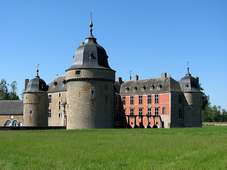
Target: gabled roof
{"x": 11, "y": 107}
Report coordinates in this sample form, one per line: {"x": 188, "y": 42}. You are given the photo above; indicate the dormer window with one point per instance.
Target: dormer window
{"x": 92, "y": 56}
{"x": 55, "y": 83}
{"x": 152, "y": 87}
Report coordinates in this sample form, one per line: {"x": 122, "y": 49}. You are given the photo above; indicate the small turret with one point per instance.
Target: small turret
{"x": 35, "y": 102}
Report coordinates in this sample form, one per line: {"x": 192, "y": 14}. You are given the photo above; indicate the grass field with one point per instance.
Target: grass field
{"x": 202, "y": 148}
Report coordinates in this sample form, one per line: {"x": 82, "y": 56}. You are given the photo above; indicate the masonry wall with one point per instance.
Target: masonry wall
{"x": 35, "y": 112}
{"x": 4, "y": 118}
{"x": 90, "y": 98}
{"x": 193, "y": 109}
{"x": 57, "y": 109}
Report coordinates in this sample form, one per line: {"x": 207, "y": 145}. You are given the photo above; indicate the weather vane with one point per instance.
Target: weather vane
{"x": 91, "y": 25}
{"x": 37, "y": 70}
{"x": 188, "y": 68}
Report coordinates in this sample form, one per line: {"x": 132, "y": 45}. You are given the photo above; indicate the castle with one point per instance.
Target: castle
{"x": 88, "y": 96}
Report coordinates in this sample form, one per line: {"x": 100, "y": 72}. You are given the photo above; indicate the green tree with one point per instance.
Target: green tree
{"x": 13, "y": 91}
{"x": 3, "y": 89}
{"x": 5, "y": 94}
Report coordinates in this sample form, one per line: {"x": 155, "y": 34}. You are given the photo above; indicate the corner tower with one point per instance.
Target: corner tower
{"x": 35, "y": 101}
{"x": 193, "y": 100}
{"x": 90, "y": 87}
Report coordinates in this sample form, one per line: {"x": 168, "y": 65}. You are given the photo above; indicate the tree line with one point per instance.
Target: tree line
{"x": 213, "y": 113}
{"x": 8, "y": 91}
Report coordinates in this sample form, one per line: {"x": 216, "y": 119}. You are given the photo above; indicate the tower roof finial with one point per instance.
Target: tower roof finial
{"x": 91, "y": 25}
{"x": 188, "y": 68}
{"x": 37, "y": 70}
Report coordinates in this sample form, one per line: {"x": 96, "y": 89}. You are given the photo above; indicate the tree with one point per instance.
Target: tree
{"x": 5, "y": 94}
{"x": 3, "y": 89}
{"x": 13, "y": 91}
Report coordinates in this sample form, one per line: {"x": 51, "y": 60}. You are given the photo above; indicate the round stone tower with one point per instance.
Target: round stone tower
{"x": 90, "y": 87}
{"x": 193, "y": 100}
{"x": 35, "y": 101}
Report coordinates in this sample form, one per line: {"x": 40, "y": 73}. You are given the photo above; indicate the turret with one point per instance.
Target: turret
{"x": 90, "y": 87}
{"x": 35, "y": 113}
{"x": 193, "y": 100}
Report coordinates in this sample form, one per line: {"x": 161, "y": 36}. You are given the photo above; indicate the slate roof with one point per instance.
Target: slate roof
{"x": 36, "y": 85}
{"x": 11, "y": 107}
{"x": 57, "y": 85}
{"x": 150, "y": 86}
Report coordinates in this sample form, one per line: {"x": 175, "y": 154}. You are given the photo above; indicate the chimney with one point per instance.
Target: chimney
{"x": 26, "y": 83}
{"x": 164, "y": 75}
{"x": 137, "y": 77}
{"x": 120, "y": 80}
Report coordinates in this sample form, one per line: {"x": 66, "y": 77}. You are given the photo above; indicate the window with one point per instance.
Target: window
{"x": 179, "y": 99}
{"x": 156, "y": 98}
{"x": 49, "y": 112}
{"x": 149, "y": 99}
{"x": 180, "y": 114}
{"x": 140, "y": 111}
{"x": 131, "y": 100}
{"x": 149, "y": 111}
{"x": 131, "y": 111}
{"x": 140, "y": 99}
{"x": 106, "y": 87}
{"x": 59, "y": 95}
{"x": 156, "y": 111}
{"x": 77, "y": 72}
{"x": 163, "y": 110}
{"x": 123, "y": 100}
{"x": 59, "y": 105}
{"x": 49, "y": 98}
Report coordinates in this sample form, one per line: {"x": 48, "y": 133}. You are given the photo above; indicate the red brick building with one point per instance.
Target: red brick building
{"x": 159, "y": 103}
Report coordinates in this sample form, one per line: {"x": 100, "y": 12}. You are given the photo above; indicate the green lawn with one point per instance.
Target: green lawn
{"x": 196, "y": 148}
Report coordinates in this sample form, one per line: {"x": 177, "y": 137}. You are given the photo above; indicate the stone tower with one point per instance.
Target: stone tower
{"x": 35, "y": 113}
{"x": 90, "y": 87}
{"x": 193, "y": 100}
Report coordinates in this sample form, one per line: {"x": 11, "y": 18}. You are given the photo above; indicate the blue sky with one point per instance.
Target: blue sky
{"x": 147, "y": 37}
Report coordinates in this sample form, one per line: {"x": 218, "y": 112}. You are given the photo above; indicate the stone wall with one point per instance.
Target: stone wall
{"x": 57, "y": 109}
{"x": 90, "y": 98}
{"x": 35, "y": 112}
{"x": 4, "y": 118}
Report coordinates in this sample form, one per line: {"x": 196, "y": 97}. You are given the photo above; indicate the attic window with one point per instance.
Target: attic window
{"x": 127, "y": 89}
{"x": 160, "y": 86}
{"x": 152, "y": 87}
{"x": 144, "y": 87}
{"x": 64, "y": 81}
{"x": 187, "y": 85}
{"x": 135, "y": 88}
{"x": 55, "y": 83}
